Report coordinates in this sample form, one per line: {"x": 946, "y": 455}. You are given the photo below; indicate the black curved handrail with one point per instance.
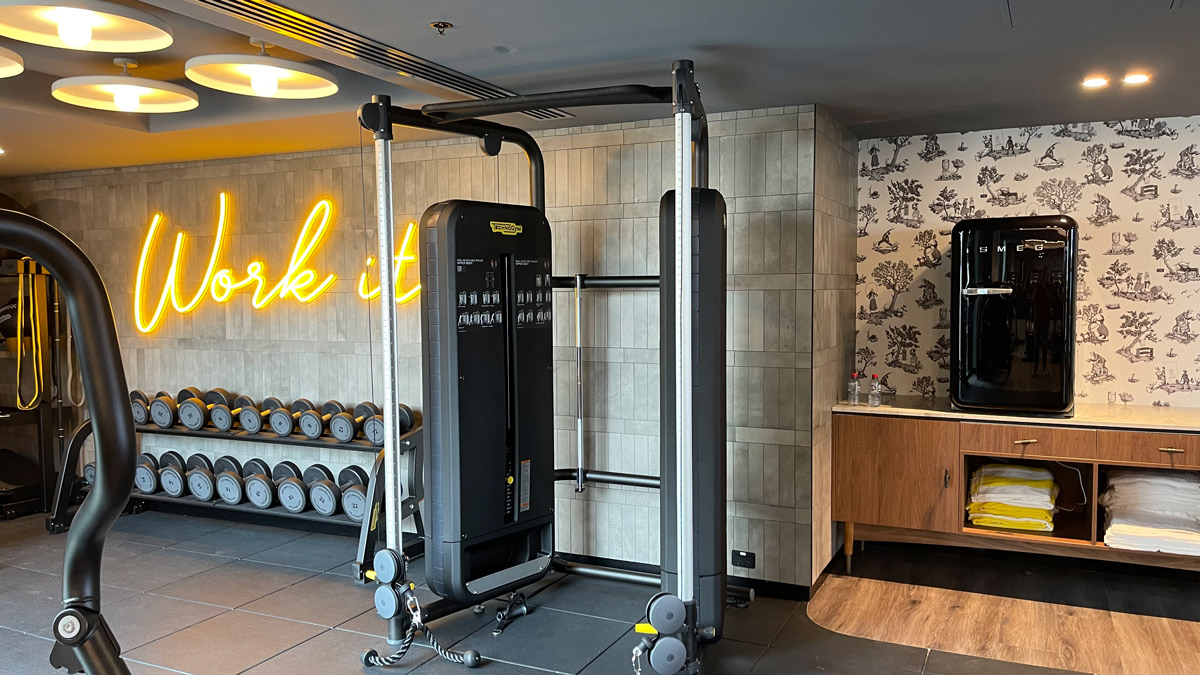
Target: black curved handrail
{"x": 84, "y": 641}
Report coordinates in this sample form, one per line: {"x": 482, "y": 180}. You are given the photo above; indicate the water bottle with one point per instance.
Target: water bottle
{"x": 852, "y": 389}
{"x": 873, "y": 392}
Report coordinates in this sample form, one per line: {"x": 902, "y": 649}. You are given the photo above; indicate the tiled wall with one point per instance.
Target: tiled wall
{"x": 1131, "y": 187}
{"x": 783, "y": 173}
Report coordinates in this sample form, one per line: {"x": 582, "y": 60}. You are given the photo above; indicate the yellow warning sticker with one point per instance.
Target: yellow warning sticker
{"x": 511, "y": 229}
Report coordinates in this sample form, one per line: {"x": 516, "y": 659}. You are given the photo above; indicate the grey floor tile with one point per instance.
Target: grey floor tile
{"x": 760, "y": 622}
{"x": 730, "y": 657}
{"x": 338, "y": 653}
{"x": 29, "y": 600}
{"x": 144, "y": 618}
{"x": 239, "y": 541}
{"x": 22, "y": 654}
{"x": 802, "y": 644}
{"x": 597, "y": 597}
{"x": 22, "y": 541}
{"x": 136, "y": 668}
{"x": 616, "y": 660}
{"x": 234, "y": 583}
{"x": 449, "y": 630}
{"x": 317, "y": 552}
{"x": 550, "y": 639}
{"x": 163, "y": 529}
{"x": 51, "y": 560}
{"x": 226, "y": 644}
{"x": 152, "y": 570}
{"x": 440, "y": 666}
{"x": 325, "y": 599}
{"x": 942, "y": 663}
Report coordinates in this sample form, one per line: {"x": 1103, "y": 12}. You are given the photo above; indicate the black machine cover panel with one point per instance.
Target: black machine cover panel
{"x": 488, "y": 380}
{"x": 1012, "y": 332}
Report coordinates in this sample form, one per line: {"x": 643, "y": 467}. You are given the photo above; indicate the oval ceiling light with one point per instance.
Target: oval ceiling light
{"x": 260, "y": 75}
{"x": 11, "y": 63}
{"x": 1095, "y": 82}
{"x": 124, "y": 93}
{"x": 1136, "y": 78}
{"x": 86, "y": 25}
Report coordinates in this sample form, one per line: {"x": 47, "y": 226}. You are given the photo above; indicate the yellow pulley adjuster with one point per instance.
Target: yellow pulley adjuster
{"x": 35, "y": 318}
{"x": 645, "y": 629}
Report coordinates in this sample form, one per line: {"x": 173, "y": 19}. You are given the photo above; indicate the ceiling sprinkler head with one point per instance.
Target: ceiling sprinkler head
{"x": 441, "y": 26}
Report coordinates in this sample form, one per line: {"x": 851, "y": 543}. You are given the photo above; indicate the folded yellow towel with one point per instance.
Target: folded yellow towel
{"x": 1031, "y": 524}
{"x": 999, "y": 509}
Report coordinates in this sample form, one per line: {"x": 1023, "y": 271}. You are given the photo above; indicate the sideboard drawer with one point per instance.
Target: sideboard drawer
{"x": 1035, "y": 441}
{"x": 1138, "y": 447}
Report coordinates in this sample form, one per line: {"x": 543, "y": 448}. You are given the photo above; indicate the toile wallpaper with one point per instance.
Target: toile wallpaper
{"x": 1132, "y": 187}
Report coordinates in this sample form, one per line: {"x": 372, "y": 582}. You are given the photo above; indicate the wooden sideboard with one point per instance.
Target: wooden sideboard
{"x": 900, "y": 472}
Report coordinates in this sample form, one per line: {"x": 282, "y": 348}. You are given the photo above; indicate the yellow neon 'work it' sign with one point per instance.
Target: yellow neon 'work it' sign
{"x": 299, "y": 281}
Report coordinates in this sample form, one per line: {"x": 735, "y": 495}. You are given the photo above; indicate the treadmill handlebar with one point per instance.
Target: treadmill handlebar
{"x": 116, "y": 446}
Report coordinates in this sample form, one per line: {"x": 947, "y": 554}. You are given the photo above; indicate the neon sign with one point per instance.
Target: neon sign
{"x": 299, "y": 280}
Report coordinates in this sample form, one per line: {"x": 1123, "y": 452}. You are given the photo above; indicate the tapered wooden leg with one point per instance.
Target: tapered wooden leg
{"x": 848, "y": 546}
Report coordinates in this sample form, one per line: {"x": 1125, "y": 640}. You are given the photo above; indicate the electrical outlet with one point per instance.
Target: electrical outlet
{"x": 743, "y": 559}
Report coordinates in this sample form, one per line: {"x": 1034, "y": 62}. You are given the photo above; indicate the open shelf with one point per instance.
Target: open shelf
{"x": 264, "y": 437}
{"x": 1076, "y": 491}
{"x": 190, "y": 501}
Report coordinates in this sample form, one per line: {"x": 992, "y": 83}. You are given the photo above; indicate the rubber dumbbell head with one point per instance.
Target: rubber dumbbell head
{"x": 223, "y": 416}
{"x": 260, "y": 489}
{"x": 201, "y": 481}
{"x": 283, "y": 422}
{"x": 231, "y": 479}
{"x": 313, "y": 423}
{"x": 145, "y": 474}
{"x": 253, "y": 418}
{"x": 344, "y": 427}
{"x": 139, "y": 405}
{"x": 89, "y": 473}
{"x": 373, "y": 428}
{"x": 164, "y": 410}
{"x": 194, "y": 412}
{"x": 349, "y": 493}
{"x": 172, "y": 473}
{"x": 293, "y": 492}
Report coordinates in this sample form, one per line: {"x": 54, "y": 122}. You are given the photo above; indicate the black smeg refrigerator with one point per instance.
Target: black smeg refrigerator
{"x": 1012, "y": 335}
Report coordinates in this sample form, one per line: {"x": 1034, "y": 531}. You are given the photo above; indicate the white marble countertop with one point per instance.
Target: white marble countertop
{"x": 1092, "y": 415}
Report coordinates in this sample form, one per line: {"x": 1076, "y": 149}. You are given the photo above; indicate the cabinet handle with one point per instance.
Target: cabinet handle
{"x": 1171, "y": 451}
{"x": 946, "y": 480}
{"x": 1025, "y": 441}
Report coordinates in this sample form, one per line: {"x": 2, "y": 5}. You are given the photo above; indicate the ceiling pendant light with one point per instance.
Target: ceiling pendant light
{"x": 87, "y": 25}
{"x": 260, "y": 75}
{"x": 11, "y": 63}
{"x": 124, "y": 93}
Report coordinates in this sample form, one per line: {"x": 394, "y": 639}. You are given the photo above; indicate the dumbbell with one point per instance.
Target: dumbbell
{"x": 345, "y": 426}
{"x": 293, "y": 492}
{"x": 147, "y": 475}
{"x": 251, "y": 417}
{"x": 89, "y": 473}
{"x": 313, "y": 424}
{"x": 350, "y": 492}
{"x": 283, "y": 420}
{"x": 231, "y": 478}
{"x": 194, "y": 412}
{"x": 139, "y": 404}
{"x": 260, "y": 489}
{"x": 164, "y": 410}
{"x": 201, "y": 475}
{"x": 373, "y": 426}
{"x": 172, "y": 475}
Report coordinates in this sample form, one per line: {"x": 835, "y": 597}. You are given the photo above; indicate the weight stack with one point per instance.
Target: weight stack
{"x": 488, "y": 386}
{"x": 708, "y": 403}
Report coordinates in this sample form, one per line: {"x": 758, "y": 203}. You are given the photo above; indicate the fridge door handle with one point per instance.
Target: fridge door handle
{"x": 972, "y": 291}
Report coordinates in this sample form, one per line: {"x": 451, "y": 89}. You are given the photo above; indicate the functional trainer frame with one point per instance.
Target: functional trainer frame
{"x": 693, "y": 223}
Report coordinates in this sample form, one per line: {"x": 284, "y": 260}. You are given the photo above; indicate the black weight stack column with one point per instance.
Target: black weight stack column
{"x": 708, "y": 405}
{"x": 488, "y": 385}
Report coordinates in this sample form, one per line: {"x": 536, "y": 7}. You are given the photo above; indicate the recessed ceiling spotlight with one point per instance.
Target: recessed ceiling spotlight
{"x": 1095, "y": 82}
{"x": 11, "y": 63}
{"x": 1136, "y": 78}
{"x": 87, "y": 25}
{"x": 124, "y": 93}
{"x": 260, "y": 75}
{"x": 1, "y": 151}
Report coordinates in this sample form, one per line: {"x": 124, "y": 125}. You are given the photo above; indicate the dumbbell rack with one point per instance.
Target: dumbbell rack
{"x": 60, "y": 517}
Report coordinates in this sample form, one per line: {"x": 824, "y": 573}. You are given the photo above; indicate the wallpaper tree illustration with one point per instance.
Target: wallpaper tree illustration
{"x": 930, "y": 255}
{"x": 1139, "y": 328}
{"x": 898, "y": 142}
{"x": 1061, "y": 195}
{"x": 896, "y": 277}
{"x": 867, "y": 216}
{"x": 1091, "y": 319}
{"x": 904, "y": 197}
{"x": 1164, "y": 250}
{"x": 903, "y": 341}
{"x": 1140, "y": 164}
{"x": 1096, "y": 157}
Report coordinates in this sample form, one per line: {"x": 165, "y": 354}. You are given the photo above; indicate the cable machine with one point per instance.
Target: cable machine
{"x": 486, "y": 320}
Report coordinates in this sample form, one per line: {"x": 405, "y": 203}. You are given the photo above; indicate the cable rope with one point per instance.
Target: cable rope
{"x": 35, "y": 339}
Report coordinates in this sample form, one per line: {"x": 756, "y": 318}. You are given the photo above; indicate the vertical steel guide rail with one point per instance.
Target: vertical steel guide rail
{"x": 683, "y": 352}
{"x": 579, "y": 472}
{"x": 387, "y": 304}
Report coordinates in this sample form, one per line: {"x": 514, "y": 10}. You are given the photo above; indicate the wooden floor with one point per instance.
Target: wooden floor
{"x": 1022, "y": 631}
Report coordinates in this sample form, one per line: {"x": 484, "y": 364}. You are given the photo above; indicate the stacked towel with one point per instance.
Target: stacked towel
{"x": 1153, "y": 511}
{"x": 1012, "y": 497}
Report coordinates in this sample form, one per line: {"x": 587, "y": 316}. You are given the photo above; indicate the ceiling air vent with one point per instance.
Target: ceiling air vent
{"x": 298, "y": 26}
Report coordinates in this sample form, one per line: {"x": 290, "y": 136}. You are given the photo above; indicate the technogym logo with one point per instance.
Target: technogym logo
{"x": 511, "y": 229}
